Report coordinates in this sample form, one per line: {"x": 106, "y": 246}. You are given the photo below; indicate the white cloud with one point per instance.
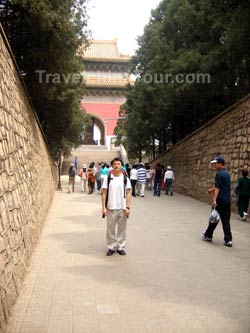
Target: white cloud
{"x": 122, "y": 19}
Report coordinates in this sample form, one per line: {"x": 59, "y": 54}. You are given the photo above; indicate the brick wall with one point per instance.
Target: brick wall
{"x": 27, "y": 180}
{"x": 228, "y": 134}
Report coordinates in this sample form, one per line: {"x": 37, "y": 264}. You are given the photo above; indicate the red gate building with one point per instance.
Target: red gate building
{"x": 106, "y": 76}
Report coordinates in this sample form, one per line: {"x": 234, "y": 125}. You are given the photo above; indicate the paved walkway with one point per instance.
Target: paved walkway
{"x": 169, "y": 281}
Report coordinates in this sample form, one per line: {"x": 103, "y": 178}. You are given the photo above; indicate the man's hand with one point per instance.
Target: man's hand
{"x": 214, "y": 204}
{"x": 104, "y": 212}
{"x": 127, "y": 212}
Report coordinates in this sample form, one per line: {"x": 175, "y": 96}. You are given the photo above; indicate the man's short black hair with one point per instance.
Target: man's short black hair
{"x": 116, "y": 159}
{"x": 244, "y": 172}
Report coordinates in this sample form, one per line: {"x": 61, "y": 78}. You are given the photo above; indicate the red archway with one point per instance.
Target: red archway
{"x": 107, "y": 112}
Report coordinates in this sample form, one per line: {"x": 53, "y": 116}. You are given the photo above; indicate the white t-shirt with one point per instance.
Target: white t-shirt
{"x": 169, "y": 175}
{"x": 133, "y": 174}
{"x": 116, "y": 198}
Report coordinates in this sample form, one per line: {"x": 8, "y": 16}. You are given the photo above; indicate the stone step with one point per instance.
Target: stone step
{"x": 92, "y": 148}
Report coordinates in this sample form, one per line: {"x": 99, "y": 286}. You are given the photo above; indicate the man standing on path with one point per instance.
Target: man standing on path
{"x": 116, "y": 195}
{"x": 221, "y": 201}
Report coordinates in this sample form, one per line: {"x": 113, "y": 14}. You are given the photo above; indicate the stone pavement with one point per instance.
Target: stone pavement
{"x": 169, "y": 281}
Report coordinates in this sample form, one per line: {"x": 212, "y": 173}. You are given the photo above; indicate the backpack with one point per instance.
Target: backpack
{"x": 109, "y": 179}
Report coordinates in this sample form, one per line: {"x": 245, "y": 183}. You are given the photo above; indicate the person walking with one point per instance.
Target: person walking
{"x": 116, "y": 196}
{"x": 98, "y": 177}
{"x": 169, "y": 180}
{"x": 149, "y": 177}
{"x": 221, "y": 201}
{"x": 133, "y": 179}
{"x": 104, "y": 171}
{"x": 91, "y": 177}
{"x": 128, "y": 169}
{"x": 83, "y": 176}
{"x": 71, "y": 173}
{"x": 157, "y": 179}
{"x": 243, "y": 191}
{"x": 141, "y": 180}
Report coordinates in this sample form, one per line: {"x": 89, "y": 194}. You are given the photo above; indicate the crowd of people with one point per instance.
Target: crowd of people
{"x": 116, "y": 182}
{"x": 141, "y": 175}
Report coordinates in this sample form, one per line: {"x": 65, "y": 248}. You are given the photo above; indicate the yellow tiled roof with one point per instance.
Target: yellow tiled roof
{"x": 106, "y": 83}
{"x": 104, "y": 50}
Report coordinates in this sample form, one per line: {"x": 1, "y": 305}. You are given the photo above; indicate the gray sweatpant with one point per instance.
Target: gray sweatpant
{"x": 116, "y": 229}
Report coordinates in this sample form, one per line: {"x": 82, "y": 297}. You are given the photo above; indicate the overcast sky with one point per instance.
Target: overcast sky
{"x": 122, "y": 19}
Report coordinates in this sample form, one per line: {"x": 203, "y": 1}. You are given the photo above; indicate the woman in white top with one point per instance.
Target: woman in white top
{"x": 133, "y": 178}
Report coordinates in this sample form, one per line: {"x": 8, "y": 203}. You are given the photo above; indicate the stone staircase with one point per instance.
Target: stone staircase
{"x": 90, "y": 153}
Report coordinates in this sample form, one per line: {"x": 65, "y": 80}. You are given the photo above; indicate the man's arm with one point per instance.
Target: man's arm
{"x": 128, "y": 200}
{"x": 128, "y": 197}
{"x": 216, "y": 192}
{"x": 104, "y": 195}
{"x": 210, "y": 190}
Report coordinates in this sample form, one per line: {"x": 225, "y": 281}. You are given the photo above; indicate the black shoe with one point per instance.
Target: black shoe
{"x": 121, "y": 252}
{"x": 110, "y": 252}
{"x": 228, "y": 244}
{"x": 171, "y": 193}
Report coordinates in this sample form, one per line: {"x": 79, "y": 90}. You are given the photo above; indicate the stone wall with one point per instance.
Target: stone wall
{"x": 27, "y": 180}
{"x": 228, "y": 134}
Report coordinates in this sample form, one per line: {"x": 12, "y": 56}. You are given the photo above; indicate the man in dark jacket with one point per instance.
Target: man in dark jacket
{"x": 221, "y": 201}
{"x": 243, "y": 191}
{"x": 157, "y": 177}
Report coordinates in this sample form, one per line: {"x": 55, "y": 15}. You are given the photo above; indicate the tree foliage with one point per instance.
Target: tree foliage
{"x": 187, "y": 38}
{"x": 45, "y": 36}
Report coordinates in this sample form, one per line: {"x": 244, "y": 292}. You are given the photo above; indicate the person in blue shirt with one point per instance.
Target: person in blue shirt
{"x": 221, "y": 201}
{"x": 104, "y": 171}
{"x": 71, "y": 173}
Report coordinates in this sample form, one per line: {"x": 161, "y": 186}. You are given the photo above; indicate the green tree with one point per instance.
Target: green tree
{"x": 189, "y": 37}
{"x": 45, "y": 37}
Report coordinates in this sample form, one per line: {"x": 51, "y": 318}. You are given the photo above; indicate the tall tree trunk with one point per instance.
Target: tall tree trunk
{"x": 153, "y": 145}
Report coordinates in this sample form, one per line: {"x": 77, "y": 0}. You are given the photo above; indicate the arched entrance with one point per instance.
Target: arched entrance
{"x": 94, "y": 131}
